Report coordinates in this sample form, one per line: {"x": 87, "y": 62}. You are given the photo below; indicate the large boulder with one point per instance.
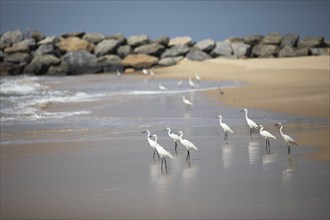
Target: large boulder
{"x": 139, "y": 61}
{"x": 124, "y": 50}
{"x": 168, "y": 61}
{"x": 286, "y": 51}
{"x": 185, "y": 40}
{"x": 44, "y": 49}
{"x": 106, "y": 47}
{"x": 241, "y": 50}
{"x": 151, "y": 49}
{"x": 311, "y": 42}
{"x": 94, "y": 38}
{"x": 73, "y": 34}
{"x": 49, "y": 40}
{"x": 265, "y": 50}
{"x": 162, "y": 40}
{"x": 253, "y": 39}
{"x": 110, "y": 62}
{"x": 197, "y": 55}
{"x": 16, "y": 48}
{"x": 290, "y": 40}
{"x": 61, "y": 69}
{"x": 81, "y": 62}
{"x": 272, "y": 38}
{"x": 18, "y": 58}
{"x": 222, "y": 48}
{"x": 10, "y": 37}
{"x": 137, "y": 40}
{"x": 319, "y": 51}
{"x": 75, "y": 43}
{"x": 175, "y": 51}
{"x": 1, "y": 55}
{"x": 37, "y": 36}
{"x": 40, "y": 64}
{"x": 10, "y": 69}
{"x": 205, "y": 45}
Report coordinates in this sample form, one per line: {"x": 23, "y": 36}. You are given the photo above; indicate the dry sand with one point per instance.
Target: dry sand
{"x": 298, "y": 86}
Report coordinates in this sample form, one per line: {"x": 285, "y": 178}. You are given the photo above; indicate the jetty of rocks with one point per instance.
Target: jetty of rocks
{"x": 32, "y": 52}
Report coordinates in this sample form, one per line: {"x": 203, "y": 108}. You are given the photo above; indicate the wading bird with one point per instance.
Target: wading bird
{"x": 163, "y": 153}
{"x": 152, "y": 143}
{"x": 197, "y": 77}
{"x": 288, "y": 140}
{"x": 187, "y": 102}
{"x": 266, "y": 135}
{"x": 188, "y": 146}
{"x": 191, "y": 83}
{"x": 161, "y": 87}
{"x": 145, "y": 71}
{"x": 252, "y": 125}
{"x": 225, "y": 127}
{"x": 174, "y": 137}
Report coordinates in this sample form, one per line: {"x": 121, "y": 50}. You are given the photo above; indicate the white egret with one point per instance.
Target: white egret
{"x": 225, "y": 127}
{"x": 188, "y": 146}
{"x": 197, "y": 77}
{"x": 118, "y": 73}
{"x": 288, "y": 140}
{"x": 180, "y": 83}
{"x": 252, "y": 125}
{"x": 152, "y": 143}
{"x": 161, "y": 87}
{"x": 145, "y": 71}
{"x": 162, "y": 152}
{"x": 187, "y": 102}
{"x": 191, "y": 83}
{"x": 174, "y": 137}
{"x": 266, "y": 135}
{"x": 152, "y": 74}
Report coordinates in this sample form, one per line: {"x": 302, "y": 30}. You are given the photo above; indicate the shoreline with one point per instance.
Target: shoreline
{"x": 297, "y": 86}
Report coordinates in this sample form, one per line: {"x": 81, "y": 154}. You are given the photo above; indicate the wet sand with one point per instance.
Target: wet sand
{"x": 99, "y": 165}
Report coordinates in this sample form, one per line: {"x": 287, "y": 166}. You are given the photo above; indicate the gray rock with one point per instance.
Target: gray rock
{"x": 290, "y": 40}
{"x": 177, "y": 50}
{"x": 319, "y": 51}
{"x": 124, "y": 50}
{"x": 265, "y": 50}
{"x": 44, "y": 49}
{"x": 162, "y": 40}
{"x": 61, "y": 69}
{"x": 37, "y": 36}
{"x": 286, "y": 51}
{"x": 10, "y": 69}
{"x": 110, "y": 62}
{"x": 197, "y": 55}
{"x": 206, "y": 45}
{"x": 1, "y": 55}
{"x": 301, "y": 52}
{"x": 106, "y": 47}
{"x": 253, "y": 39}
{"x": 30, "y": 43}
{"x": 117, "y": 37}
{"x": 40, "y": 64}
{"x": 17, "y": 58}
{"x": 16, "y": 48}
{"x": 168, "y": 61}
{"x": 241, "y": 50}
{"x": 272, "y": 38}
{"x": 222, "y": 48}
{"x": 151, "y": 49}
{"x": 137, "y": 40}
{"x": 311, "y": 42}
{"x": 139, "y": 61}
{"x": 49, "y": 40}
{"x": 81, "y": 62}
{"x": 94, "y": 38}
{"x": 186, "y": 40}
{"x": 10, "y": 37}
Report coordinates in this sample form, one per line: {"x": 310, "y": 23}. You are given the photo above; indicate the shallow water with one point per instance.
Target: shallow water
{"x": 82, "y": 154}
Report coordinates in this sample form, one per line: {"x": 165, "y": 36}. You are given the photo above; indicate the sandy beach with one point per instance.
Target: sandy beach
{"x": 78, "y": 151}
{"x": 298, "y": 86}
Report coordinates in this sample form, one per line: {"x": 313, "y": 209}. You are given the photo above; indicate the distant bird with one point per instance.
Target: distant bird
{"x": 118, "y": 73}
{"x": 180, "y": 83}
{"x": 266, "y": 135}
{"x": 225, "y": 127}
{"x": 152, "y": 74}
{"x": 188, "y": 146}
{"x": 252, "y": 125}
{"x": 163, "y": 153}
{"x": 174, "y": 137}
{"x": 191, "y": 83}
{"x": 197, "y": 77}
{"x": 152, "y": 143}
{"x": 288, "y": 140}
{"x": 161, "y": 87}
{"x": 221, "y": 92}
{"x": 187, "y": 102}
{"x": 145, "y": 71}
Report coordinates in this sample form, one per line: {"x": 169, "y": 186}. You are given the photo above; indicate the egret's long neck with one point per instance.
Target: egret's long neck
{"x": 281, "y": 130}
{"x": 181, "y": 134}
{"x": 148, "y": 134}
{"x": 246, "y": 115}
{"x": 156, "y": 138}
{"x": 169, "y": 131}
{"x": 220, "y": 120}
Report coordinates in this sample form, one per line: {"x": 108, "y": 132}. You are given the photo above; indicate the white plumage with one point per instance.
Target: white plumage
{"x": 288, "y": 140}
{"x": 153, "y": 144}
{"x": 225, "y": 127}
{"x": 187, "y": 144}
{"x": 252, "y": 125}
{"x": 174, "y": 137}
{"x": 266, "y": 135}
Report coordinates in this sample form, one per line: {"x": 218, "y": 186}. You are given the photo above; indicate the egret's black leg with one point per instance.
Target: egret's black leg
{"x": 165, "y": 163}
{"x": 161, "y": 164}
{"x": 153, "y": 157}
{"x": 289, "y": 150}
{"x": 188, "y": 156}
{"x": 176, "y": 146}
{"x": 226, "y": 136}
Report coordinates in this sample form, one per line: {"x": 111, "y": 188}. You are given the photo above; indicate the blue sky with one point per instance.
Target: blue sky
{"x": 198, "y": 19}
